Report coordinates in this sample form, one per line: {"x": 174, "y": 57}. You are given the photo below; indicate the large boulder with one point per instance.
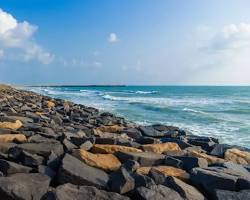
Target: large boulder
{"x": 238, "y": 156}
{"x": 144, "y": 158}
{"x": 157, "y": 192}
{"x": 77, "y": 172}
{"x": 109, "y": 129}
{"x": 150, "y": 131}
{"x": 105, "y": 148}
{"x": 73, "y": 192}
{"x": 166, "y": 170}
{"x": 107, "y": 162}
{"x": 161, "y": 148}
{"x": 210, "y": 159}
{"x": 185, "y": 190}
{"x": 24, "y": 186}
{"x": 190, "y": 162}
{"x": 212, "y": 179}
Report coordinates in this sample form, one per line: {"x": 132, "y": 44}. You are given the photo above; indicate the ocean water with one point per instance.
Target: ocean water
{"x": 222, "y": 112}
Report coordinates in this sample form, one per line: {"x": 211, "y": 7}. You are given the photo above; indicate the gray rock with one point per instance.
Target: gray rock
{"x": 211, "y": 180}
{"x": 190, "y": 162}
{"x": 87, "y": 145}
{"x": 24, "y": 186}
{"x": 31, "y": 160}
{"x": 174, "y": 162}
{"x": 68, "y": 145}
{"x": 46, "y": 171}
{"x": 133, "y": 133}
{"x": 157, "y": 192}
{"x": 185, "y": 190}
{"x": 151, "y": 132}
{"x": 230, "y": 195}
{"x": 73, "y": 192}
{"x": 144, "y": 158}
{"x": 8, "y": 167}
{"x": 76, "y": 172}
{"x": 121, "y": 181}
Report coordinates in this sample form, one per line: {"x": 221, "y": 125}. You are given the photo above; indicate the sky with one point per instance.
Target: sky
{"x": 142, "y": 42}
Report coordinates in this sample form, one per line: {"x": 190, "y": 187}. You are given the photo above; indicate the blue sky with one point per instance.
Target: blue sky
{"x": 125, "y": 42}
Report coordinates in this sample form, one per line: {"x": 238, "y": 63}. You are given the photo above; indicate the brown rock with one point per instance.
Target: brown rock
{"x": 109, "y": 129}
{"x": 103, "y": 161}
{"x": 106, "y": 148}
{"x": 161, "y": 148}
{"x": 166, "y": 170}
{"x": 11, "y": 125}
{"x": 50, "y": 104}
{"x": 13, "y": 138}
{"x": 210, "y": 159}
{"x": 237, "y": 156}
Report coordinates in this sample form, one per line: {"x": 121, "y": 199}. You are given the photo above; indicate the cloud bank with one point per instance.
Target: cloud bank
{"x": 17, "y": 37}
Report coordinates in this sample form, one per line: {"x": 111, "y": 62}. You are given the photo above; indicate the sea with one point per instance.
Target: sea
{"x": 218, "y": 111}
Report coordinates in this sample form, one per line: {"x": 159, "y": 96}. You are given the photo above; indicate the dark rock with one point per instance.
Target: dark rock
{"x": 31, "y": 160}
{"x": 157, "y": 192}
{"x": 53, "y": 161}
{"x": 24, "y": 186}
{"x": 182, "y": 142}
{"x": 147, "y": 140}
{"x": 144, "y": 158}
{"x": 99, "y": 140}
{"x": 174, "y": 162}
{"x": 8, "y": 167}
{"x": 185, "y": 190}
{"x": 190, "y": 162}
{"x": 151, "y": 132}
{"x": 157, "y": 176}
{"x": 143, "y": 181}
{"x": 243, "y": 183}
{"x": 206, "y": 143}
{"x": 76, "y": 172}
{"x": 131, "y": 165}
{"x": 14, "y": 153}
{"x": 133, "y": 133}
{"x": 161, "y": 127}
{"x": 230, "y": 195}
{"x": 73, "y": 192}
{"x": 46, "y": 171}
{"x": 40, "y": 139}
{"x": 210, "y": 180}
{"x": 121, "y": 181}
{"x": 220, "y": 149}
{"x": 68, "y": 145}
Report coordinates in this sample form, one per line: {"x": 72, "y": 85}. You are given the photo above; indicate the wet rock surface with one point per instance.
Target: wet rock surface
{"x": 52, "y": 149}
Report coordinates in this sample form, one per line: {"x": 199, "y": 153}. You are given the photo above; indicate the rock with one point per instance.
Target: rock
{"x": 208, "y": 158}
{"x": 206, "y": 143}
{"x": 43, "y": 149}
{"x": 161, "y": 148}
{"x": 143, "y": 181}
{"x": 46, "y": 171}
{"x": 50, "y": 104}
{"x": 190, "y": 162}
{"x": 185, "y": 190}
{"x": 166, "y": 170}
{"x": 150, "y": 131}
{"x": 31, "y": 160}
{"x": 102, "y": 148}
{"x": 238, "y": 156}
{"x": 220, "y": 149}
{"x": 230, "y": 195}
{"x": 161, "y": 127}
{"x": 157, "y": 192}
{"x": 121, "y": 181}
{"x": 243, "y": 183}
{"x": 76, "y": 172}
{"x": 68, "y": 145}
{"x": 211, "y": 180}
{"x": 174, "y": 162}
{"x": 131, "y": 165}
{"x": 133, "y": 133}
{"x": 181, "y": 141}
{"x": 87, "y": 145}
{"x": 24, "y": 186}
{"x": 20, "y": 138}
{"x": 8, "y": 167}
{"x": 157, "y": 176}
{"x": 40, "y": 139}
{"x": 73, "y": 192}
{"x": 148, "y": 140}
{"x": 106, "y": 162}
{"x": 109, "y": 129}
{"x": 11, "y": 125}
{"x": 143, "y": 158}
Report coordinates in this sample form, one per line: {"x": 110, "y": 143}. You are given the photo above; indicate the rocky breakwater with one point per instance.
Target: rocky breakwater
{"x": 51, "y": 149}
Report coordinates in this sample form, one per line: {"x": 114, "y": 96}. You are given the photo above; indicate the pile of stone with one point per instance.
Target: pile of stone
{"x": 52, "y": 149}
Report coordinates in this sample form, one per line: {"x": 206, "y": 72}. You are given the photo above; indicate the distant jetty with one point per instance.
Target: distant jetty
{"x": 52, "y": 149}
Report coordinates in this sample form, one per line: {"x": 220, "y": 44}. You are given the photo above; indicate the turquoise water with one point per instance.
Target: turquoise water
{"x": 223, "y": 112}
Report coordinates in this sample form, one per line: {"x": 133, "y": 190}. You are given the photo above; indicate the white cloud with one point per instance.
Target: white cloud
{"x": 16, "y": 35}
{"x": 222, "y": 56}
{"x": 113, "y": 38}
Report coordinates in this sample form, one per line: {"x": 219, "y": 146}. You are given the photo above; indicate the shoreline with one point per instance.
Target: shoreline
{"x": 61, "y": 144}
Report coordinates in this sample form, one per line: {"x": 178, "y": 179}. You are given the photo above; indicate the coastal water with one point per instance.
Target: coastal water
{"x": 223, "y": 112}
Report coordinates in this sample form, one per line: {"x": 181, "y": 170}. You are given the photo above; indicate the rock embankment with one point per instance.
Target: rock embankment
{"x": 52, "y": 149}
